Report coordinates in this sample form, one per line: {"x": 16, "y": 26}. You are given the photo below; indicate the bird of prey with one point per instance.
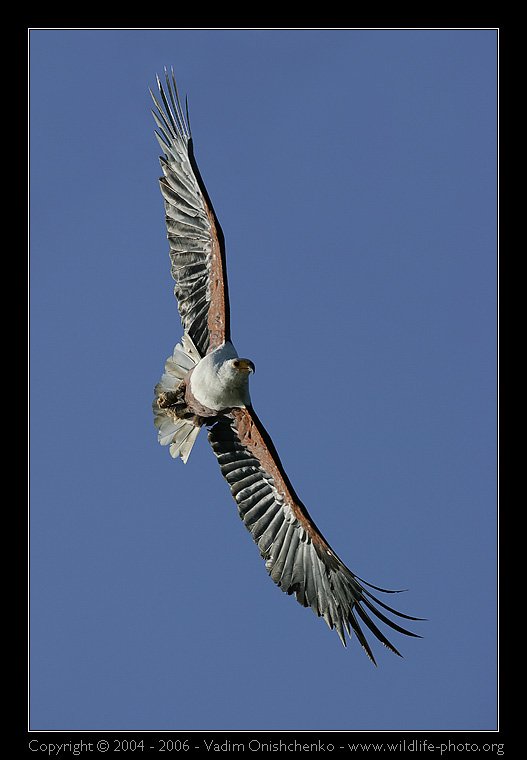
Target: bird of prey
{"x": 206, "y": 383}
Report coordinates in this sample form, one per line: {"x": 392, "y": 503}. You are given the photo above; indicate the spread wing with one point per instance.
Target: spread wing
{"x": 197, "y": 248}
{"x": 297, "y": 557}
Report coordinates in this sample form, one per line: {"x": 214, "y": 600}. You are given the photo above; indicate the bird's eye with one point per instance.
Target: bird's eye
{"x": 236, "y": 363}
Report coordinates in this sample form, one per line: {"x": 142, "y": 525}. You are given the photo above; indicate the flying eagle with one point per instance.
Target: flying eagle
{"x": 206, "y": 383}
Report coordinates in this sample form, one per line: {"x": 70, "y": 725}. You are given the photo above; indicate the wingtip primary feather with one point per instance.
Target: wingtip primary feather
{"x": 169, "y": 109}
{"x": 391, "y": 609}
{"x": 384, "y": 619}
{"x": 378, "y": 588}
{"x": 188, "y": 118}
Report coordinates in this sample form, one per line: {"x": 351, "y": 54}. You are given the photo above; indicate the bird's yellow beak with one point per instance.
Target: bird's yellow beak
{"x": 245, "y": 364}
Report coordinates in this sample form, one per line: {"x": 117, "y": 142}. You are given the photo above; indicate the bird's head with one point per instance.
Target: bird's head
{"x": 243, "y": 366}
{"x": 234, "y": 377}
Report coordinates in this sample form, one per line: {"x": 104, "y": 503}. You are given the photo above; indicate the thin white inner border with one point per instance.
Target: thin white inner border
{"x": 284, "y": 731}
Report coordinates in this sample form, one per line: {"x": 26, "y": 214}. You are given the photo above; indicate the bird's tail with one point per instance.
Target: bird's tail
{"x": 169, "y": 402}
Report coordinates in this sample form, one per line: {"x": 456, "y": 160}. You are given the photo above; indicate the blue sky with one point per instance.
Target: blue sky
{"x": 354, "y": 176}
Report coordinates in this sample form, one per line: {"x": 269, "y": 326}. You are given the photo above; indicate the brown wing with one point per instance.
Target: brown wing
{"x": 197, "y": 247}
{"x": 297, "y": 557}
